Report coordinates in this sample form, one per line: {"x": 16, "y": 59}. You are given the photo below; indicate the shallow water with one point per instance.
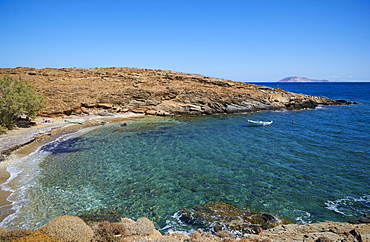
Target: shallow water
{"x": 313, "y": 170}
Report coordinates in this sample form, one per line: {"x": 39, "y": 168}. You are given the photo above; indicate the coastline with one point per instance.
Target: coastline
{"x": 336, "y": 231}
{"x": 21, "y": 142}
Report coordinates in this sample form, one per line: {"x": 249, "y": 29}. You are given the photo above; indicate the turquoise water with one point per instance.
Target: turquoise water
{"x": 313, "y": 170}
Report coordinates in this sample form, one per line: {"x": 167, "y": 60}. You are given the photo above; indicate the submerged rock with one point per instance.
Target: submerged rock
{"x": 218, "y": 216}
{"x": 99, "y": 215}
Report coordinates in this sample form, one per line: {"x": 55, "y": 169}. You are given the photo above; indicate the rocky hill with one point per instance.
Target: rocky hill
{"x": 155, "y": 92}
{"x": 300, "y": 79}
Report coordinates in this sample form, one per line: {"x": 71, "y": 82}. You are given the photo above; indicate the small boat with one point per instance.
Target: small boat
{"x": 260, "y": 122}
{"x": 77, "y": 121}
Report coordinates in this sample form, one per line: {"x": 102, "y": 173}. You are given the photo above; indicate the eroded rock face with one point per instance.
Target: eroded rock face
{"x": 218, "y": 216}
{"x": 156, "y": 92}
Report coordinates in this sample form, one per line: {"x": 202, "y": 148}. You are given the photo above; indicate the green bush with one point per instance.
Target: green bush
{"x": 17, "y": 98}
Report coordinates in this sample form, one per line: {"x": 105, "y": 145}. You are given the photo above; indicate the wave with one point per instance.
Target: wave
{"x": 350, "y": 206}
{"x": 22, "y": 177}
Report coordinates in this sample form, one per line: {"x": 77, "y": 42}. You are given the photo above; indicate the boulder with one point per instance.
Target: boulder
{"x": 104, "y": 105}
{"x": 88, "y": 105}
{"x": 363, "y": 220}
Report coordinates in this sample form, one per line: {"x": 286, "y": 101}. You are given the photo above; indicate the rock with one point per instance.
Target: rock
{"x": 343, "y": 102}
{"x": 200, "y": 236}
{"x": 163, "y": 113}
{"x": 363, "y": 220}
{"x": 104, "y": 105}
{"x": 88, "y": 105}
{"x": 324, "y": 231}
{"x": 70, "y": 228}
{"x": 151, "y": 112}
{"x": 99, "y": 215}
{"x": 219, "y": 216}
{"x": 301, "y": 104}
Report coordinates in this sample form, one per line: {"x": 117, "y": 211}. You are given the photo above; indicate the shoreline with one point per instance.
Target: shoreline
{"x": 326, "y": 229}
{"x": 21, "y": 142}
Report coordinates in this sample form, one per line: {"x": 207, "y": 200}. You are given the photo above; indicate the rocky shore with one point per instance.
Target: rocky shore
{"x": 265, "y": 228}
{"x": 102, "y": 92}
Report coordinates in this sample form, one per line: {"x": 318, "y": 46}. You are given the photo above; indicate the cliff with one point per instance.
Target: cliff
{"x": 300, "y": 79}
{"x": 154, "y": 92}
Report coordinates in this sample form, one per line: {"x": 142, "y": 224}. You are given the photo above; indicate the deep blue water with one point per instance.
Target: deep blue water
{"x": 313, "y": 170}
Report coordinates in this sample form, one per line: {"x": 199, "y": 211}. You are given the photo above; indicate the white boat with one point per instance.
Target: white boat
{"x": 260, "y": 122}
{"x": 77, "y": 121}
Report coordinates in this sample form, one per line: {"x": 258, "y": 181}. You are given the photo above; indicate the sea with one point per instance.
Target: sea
{"x": 308, "y": 166}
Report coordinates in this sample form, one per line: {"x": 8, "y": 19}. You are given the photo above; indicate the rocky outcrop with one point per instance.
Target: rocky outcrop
{"x": 300, "y": 79}
{"x": 363, "y": 220}
{"x": 155, "y": 92}
{"x": 71, "y": 228}
{"x": 327, "y": 231}
{"x": 218, "y": 216}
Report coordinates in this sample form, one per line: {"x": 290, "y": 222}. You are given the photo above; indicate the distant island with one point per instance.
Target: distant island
{"x": 300, "y": 79}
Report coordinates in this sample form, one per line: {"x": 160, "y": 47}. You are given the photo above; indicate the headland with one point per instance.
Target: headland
{"x": 74, "y": 91}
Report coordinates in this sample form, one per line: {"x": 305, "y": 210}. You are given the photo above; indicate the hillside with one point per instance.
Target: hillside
{"x": 155, "y": 92}
{"x": 300, "y": 79}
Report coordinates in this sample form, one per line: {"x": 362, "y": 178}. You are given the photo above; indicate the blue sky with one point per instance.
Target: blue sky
{"x": 250, "y": 41}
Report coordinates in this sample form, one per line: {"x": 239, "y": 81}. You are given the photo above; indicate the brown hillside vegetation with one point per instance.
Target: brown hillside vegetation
{"x": 156, "y": 92}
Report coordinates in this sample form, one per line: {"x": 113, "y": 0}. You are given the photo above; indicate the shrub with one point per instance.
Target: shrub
{"x": 112, "y": 232}
{"x": 107, "y": 232}
{"x": 143, "y": 227}
{"x": 16, "y": 98}
{"x": 68, "y": 228}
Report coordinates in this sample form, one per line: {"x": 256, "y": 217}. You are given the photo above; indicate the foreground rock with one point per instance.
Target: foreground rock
{"x": 71, "y": 228}
{"x": 318, "y": 232}
{"x": 155, "y": 92}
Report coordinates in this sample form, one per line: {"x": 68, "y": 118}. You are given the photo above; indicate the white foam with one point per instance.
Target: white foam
{"x": 176, "y": 225}
{"x": 350, "y": 206}
{"x": 305, "y": 218}
{"x": 23, "y": 171}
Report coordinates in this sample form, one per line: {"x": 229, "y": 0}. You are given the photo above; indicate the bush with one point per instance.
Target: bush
{"x": 68, "y": 228}
{"x": 107, "y": 232}
{"x": 16, "y": 98}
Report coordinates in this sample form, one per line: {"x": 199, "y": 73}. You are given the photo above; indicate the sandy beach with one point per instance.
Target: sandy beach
{"x": 21, "y": 142}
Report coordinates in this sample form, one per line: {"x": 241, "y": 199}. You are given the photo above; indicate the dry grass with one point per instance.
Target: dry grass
{"x": 8, "y": 236}
{"x": 37, "y": 236}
